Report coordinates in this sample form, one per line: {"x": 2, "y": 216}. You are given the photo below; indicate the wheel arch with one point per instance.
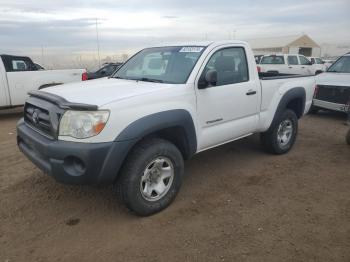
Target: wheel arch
{"x": 176, "y": 126}
{"x": 294, "y": 99}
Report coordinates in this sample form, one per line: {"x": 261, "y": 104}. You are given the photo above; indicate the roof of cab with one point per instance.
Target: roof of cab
{"x": 200, "y": 43}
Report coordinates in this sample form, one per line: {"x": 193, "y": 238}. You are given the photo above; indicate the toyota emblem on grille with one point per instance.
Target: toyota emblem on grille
{"x": 35, "y": 117}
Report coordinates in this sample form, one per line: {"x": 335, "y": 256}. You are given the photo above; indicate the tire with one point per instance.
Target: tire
{"x": 348, "y": 137}
{"x": 144, "y": 186}
{"x": 273, "y": 140}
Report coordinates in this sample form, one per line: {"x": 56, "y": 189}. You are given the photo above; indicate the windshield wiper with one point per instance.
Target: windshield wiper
{"x": 146, "y": 79}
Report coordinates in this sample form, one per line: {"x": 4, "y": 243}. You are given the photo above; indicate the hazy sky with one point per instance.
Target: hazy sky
{"x": 68, "y": 26}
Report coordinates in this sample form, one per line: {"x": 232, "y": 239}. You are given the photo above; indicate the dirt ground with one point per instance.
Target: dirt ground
{"x": 237, "y": 203}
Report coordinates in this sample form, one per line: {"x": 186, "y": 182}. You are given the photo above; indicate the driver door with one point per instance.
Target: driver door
{"x": 229, "y": 109}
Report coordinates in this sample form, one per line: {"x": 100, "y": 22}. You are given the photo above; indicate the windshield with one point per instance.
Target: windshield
{"x": 161, "y": 64}
{"x": 342, "y": 65}
{"x": 273, "y": 59}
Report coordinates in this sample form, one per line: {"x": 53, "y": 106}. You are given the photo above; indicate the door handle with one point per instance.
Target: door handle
{"x": 290, "y": 67}
{"x": 303, "y": 67}
{"x": 251, "y": 92}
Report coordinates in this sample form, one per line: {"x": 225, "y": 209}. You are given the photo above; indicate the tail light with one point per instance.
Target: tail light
{"x": 259, "y": 69}
{"x": 84, "y": 76}
{"x": 316, "y": 91}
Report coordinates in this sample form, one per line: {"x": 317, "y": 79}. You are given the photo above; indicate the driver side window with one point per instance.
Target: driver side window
{"x": 230, "y": 65}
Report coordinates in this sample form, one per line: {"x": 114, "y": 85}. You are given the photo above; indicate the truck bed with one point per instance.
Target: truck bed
{"x": 271, "y": 83}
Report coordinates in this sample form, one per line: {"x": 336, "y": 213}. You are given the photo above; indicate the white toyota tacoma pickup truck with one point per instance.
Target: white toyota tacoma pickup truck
{"x": 165, "y": 104}
{"x": 19, "y": 75}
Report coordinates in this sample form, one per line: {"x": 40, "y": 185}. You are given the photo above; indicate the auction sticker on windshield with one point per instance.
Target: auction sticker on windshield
{"x": 191, "y": 49}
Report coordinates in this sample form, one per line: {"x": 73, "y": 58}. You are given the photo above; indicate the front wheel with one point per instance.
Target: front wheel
{"x": 280, "y": 137}
{"x": 151, "y": 176}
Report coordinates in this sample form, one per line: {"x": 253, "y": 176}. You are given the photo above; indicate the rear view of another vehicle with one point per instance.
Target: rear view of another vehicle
{"x": 104, "y": 71}
{"x": 333, "y": 87}
{"x": 272, "y": 64}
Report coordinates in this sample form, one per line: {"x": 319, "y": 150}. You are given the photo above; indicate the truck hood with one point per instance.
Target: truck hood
{"x": 333, "y": 79}
{"x": 103, "y": 91}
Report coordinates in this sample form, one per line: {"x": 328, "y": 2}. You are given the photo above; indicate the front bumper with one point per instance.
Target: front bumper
{"x": 71, "y": 162}
{"x": 330, "y": 105}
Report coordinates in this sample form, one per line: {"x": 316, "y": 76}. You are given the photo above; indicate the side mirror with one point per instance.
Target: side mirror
{"x": 210, "y": 79}
{"x": 103, "y": 72}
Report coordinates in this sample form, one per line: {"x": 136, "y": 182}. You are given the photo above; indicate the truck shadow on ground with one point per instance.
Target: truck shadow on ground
{"x": 325, "y": 114}
{"x": 11, "y": 113}
{"x": 207, "y": 168}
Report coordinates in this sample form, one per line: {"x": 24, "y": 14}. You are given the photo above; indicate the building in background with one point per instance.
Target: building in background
{"x": 301, "y": 44}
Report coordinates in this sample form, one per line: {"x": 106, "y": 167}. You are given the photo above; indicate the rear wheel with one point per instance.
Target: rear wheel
{"x": 151, "y": 176}
{"x": 280, "y": 137}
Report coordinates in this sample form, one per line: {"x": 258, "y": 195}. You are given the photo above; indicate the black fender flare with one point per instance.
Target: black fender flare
{"x": 162, "y": 120}
{"x": 294, "y": 93}
{"x": 141, "y": 128}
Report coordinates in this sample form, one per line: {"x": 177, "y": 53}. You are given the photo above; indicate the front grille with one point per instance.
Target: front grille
{"x": 38, "y": 118}
{"x": 334, "y": 94}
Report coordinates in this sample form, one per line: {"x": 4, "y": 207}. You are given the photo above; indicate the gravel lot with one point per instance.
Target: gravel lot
{"x": 237, "y": 203}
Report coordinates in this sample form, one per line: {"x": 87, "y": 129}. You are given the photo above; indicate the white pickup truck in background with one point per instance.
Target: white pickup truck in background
{"x": 318, "y": 64}
{"x": 287, "y": 64}
{"x": 19, "y": 75}
{"x": 162, "y": 106}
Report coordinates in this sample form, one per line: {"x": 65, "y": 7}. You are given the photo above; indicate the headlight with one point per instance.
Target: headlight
{"x": 83, "y": 124}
